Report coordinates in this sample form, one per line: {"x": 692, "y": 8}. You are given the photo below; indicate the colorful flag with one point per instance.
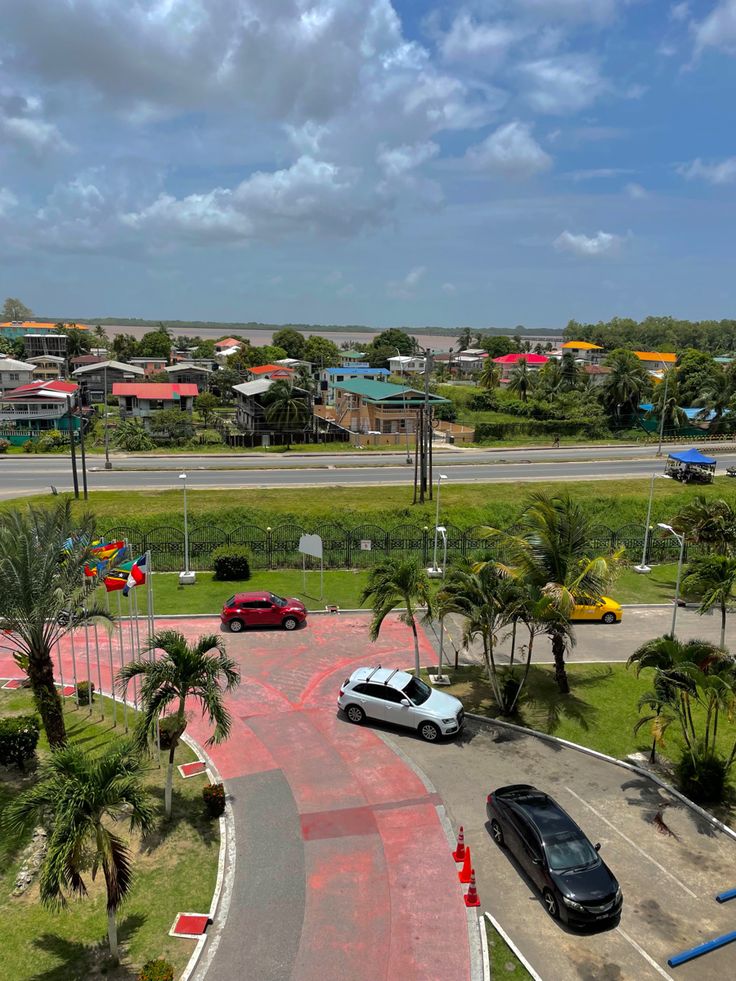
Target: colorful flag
{"x": 104, "y": 554}
{"x": 117, "y": 578}
{"x": 137, "y": 575}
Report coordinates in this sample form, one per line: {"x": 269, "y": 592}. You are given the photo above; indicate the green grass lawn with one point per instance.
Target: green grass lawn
{"x": 504, "y": 962}
{"x": 175, "y": 869}
{"x": 658, "y": 586}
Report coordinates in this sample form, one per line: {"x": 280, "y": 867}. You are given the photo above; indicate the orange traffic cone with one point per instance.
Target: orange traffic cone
{"x": 472, "y": 897}
{"x": 459, "y": 853}
{"x": 466, "y": 871}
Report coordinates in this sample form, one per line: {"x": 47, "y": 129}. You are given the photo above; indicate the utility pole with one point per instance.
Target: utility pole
{"x": 70, "y": 415}
{"x": 108, "y": 465}
{"x": 81, "y": 447}
{"x": 424, "y": 437}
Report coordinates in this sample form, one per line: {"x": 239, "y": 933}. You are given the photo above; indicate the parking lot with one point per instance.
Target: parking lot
{"x": 669, "y": 862}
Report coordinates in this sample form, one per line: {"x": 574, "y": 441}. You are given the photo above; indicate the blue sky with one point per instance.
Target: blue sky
{"x": 497, "y": 162}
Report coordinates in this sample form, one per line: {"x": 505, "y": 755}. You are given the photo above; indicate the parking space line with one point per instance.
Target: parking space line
{"x": 632, "y": 843}
{"x": 645, "y": 955}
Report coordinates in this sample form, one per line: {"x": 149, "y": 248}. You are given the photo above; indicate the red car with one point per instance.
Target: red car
{"x": 262, "y": 610}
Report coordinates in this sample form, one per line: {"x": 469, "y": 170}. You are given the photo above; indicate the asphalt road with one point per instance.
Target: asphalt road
{"x": 32, "y": 475}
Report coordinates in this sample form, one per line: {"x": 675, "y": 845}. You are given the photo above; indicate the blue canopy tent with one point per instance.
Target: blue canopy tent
{"x": 690, "y": 465}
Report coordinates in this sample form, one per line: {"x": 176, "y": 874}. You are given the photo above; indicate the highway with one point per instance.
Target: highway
{"x": 25, "y": 475}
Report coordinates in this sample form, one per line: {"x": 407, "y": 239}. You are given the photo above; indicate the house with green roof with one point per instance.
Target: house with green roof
{"x": 365, "y": 406}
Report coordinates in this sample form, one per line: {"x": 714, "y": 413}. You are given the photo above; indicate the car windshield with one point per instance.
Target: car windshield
{"x": 230, "y": 602}
{"x": 569, "y": 852}
{"x": 277, "y": 600}
{"x": 417, "y": 691}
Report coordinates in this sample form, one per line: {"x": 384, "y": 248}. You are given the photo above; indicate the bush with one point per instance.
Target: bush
{"x": 18, "y": 739}
{"x": 86, "y": 692}
{"x": 53, "y": 439}
{"x": 231, "y": 563}
{"x": 166, "y": 729}
{"x": 158, "y": 970}
{"x": 31, "y": 445}
{"x": 4, "y": 445}
{"x": 207, "y": 437}
{"x": 213, "y": 796}
{"x": 704, "y": 779}
{"x": 483, "y": 402}
{"x": 445, "y": 412}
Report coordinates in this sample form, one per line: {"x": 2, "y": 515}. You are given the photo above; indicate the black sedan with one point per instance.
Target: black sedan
{"x": 576, "y": 884}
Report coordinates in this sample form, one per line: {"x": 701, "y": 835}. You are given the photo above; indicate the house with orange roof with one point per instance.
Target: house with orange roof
{"x": 657, "y": 360}
{"x": 584, "y": 351}
{"x": 273, "y": 372}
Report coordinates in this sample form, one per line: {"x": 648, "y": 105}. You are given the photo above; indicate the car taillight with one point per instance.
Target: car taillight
{"x": 342, "y": 692}
{"x": 489, "y": 798}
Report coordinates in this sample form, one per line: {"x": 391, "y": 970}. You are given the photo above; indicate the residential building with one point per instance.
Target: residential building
{"x": 656, "y": 361}
{"x": 16, "y": 330}
{"x": 368, "y": 406}
{"x": 353, "y": 357}
{"x": 140, "y": 400}
{"x": 469, "y": 362}
{"x": 330, "y": 378}
{"x": 102, "y": 376}
{"x": 47, "y": 367}
{"x": 273, "y": 372}
{"x": 405, "y": 364}
{"x": 251, "y": 414}
{"x": 583, "y": 351}
{"x": 294, "y": 363}
{"x": 228, "y": 342}
{"x": 189, "y": 374}
{"x": 82, "y": 360}
{"x": 14, "y": 373}
{"x": 509, "y": 361}
{"x": 597, "y": 373}
{"x": 30, "y": 409}
{"x": 151, "y": 366}
{"x": 43, "y": 343}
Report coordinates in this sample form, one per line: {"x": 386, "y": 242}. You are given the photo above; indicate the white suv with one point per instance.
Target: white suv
{"x": 400, "y": 698}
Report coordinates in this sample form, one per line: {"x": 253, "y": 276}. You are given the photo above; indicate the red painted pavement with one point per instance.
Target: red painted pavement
{"x": 382, "y": 896}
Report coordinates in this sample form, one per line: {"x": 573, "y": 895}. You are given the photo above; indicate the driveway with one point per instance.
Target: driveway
{"x": 669, "y": 871}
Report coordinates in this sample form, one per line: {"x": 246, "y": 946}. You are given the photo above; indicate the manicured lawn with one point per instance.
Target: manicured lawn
{"x": 175, "y": 870}
{"x": 504, "y": 962}
{"x": 656, "y": 587}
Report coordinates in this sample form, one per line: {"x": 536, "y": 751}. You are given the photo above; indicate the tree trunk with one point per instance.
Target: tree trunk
{"x": 558, "y": 653}
{"x": 46, "y": 697}
{"x": 417, "y": 666}
{"x": 112, "y": 935}
{"x": 169, "y": 779}
{"x": 723, "y": 624}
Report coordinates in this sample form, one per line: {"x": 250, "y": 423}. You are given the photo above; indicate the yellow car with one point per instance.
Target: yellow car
{"x": 605, "y": 610}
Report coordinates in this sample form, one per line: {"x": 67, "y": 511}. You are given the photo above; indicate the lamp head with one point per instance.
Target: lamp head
{"x": 182, "y": 476}
{"x": 443, "y": 476}
{"x": 666, "y": 527}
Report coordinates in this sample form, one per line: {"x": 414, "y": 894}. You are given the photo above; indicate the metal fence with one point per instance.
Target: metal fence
{"x": 356, "y": 547}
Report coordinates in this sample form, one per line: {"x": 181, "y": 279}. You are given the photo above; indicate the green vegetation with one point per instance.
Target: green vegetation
{"x": 72, "y": 942}
{"x": 504, "y": 962}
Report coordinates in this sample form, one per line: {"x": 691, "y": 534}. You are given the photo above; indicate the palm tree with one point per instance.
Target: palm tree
{"x": 80, "y": 796}
{"x": 394, "y": 581}
{"x": 43, "y": 552}
{"x": 626, "y": 385}
{"x": 550, "y": 555}
{"x": 713, "y": 579}
{"x": 285, "y": 409}
{"x": 666, "y": 403}
{"x": 183, "y": 672}
{"x": 710, "y": 522}
{"x": 490, "y": 374}
{"x": 101, "y": 336}
{"x": 716, "y": 397}
{"x": 520, "y": 380}
{"x": 465, "y": 338}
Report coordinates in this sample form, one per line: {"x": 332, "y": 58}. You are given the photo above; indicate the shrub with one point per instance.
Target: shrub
{"x": 231, "y": 563}
{"x": 483, "y": 402}
{"x": 18, "y": 739}
{"x": 213, "y": 796}
{"x": 704, "y": 778}
{"x": 51, "y": 440}
{"x": 31, "y": 445}
{"x": 4, "y": 445}
{"x": 157, "y": 970}
{"x": 86, "y": 692}
{"x": 445, "y": 412}
{"x": 207, "y": 437}
{"x": 166, "y": 729}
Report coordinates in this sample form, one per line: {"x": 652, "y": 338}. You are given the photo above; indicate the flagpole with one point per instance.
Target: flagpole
{"x": 61, "y": 669}
{"x": 132, "y": 650}
{"x": 122, "y": 656}
{"x": 112, "y": 669}
{"x": 99, "y": 673}
{"x": 152, "y": 631}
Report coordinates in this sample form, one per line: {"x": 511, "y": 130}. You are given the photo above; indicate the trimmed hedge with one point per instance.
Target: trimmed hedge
{"x": 86, "y": 692}
{"x": 231, "y": 563}
{"x": 156, "y": 970}
{"x": 18, "y": 739}
{"x": 213, "y": 796}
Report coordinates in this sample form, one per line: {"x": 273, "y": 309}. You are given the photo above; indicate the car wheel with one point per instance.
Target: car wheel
{"x": 550, "y": 904}
{"x": 429, "y": 732}
{"x": 355, "y": 714}
{"x": 236, "y": 626}
{"x": 608, "y": 618}
{"x": 290, "y": 623}
{"x": 497, "y": 833}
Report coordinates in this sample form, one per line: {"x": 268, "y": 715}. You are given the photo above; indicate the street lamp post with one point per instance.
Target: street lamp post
{"x": 440, "y": 678}
{"x": 664, "y": 409}
{"x": 406, "y": 418}
{"x": 435, "y": 571}
{"x": 644, "y": 568}
{"x": 681, "y": 540}
{"x": 186, "y": 578}
{"x": 108, "y": 465}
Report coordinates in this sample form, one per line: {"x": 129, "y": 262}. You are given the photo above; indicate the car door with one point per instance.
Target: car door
{"x": 396, "y": 711}
{"x": 531, "y": 855}
{"x": 270, "y": 613}
{"x": 253, "y": 613}
{"x": 377, "y": 703}
{"x": 583, "y": 611}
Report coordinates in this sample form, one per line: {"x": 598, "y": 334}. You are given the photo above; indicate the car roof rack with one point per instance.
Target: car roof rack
{"x": 377, "y": 668}
{"x": 390, "y": 676}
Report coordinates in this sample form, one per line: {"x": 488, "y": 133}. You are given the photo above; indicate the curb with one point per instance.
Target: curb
{"x": 725, "y": 828}
{"x": 512, "y": 946}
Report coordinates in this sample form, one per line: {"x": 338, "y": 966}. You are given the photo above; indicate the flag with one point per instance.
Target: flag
{"x": 137, "y": 575}
{"x": 117, "y": 578}
{"x": 104, "y": 554}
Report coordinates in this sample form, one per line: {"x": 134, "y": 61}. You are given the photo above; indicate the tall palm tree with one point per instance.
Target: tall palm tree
{"x": 550, "y": 554}
{"x": 709, "y": 522}
{"x": 80, "y": 796}
{"x": 666, "y": 403}
{"x": 716, "y": 397}
{"x": 713, "y": 579}
{"x": 202, "y": 672}
{"x": 490, "y": 374}
{"x": 626, "y": 385}
{"x": 43, "y": 552}
{"x": 465, "y": 338}
{"x": 520, "y": 381}
{"x": 286, "y": 409}
{"x": 101, "y": 336}
{"x": 398, "y": 581}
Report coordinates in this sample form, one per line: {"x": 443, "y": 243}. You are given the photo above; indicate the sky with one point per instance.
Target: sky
{"x": 487, "y": 163}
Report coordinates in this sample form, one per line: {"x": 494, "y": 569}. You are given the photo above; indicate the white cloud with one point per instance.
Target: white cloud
{"x": 597, "y": 11}
{"x": 399, "y": 160}
{"x": 717, "y": 172}
{"x": 22, "y": 125}
{"x": 679, "y": 11}
{"x": 597, "y": 173}
{"x": 7, "y": 201}
{"x": 602, "y": 243}
{"x": 636, "y": 191}
{"x": 511, "y": 150}
{"x": 448, "y": 288}
{"x": 486, "y": 43}
{"x": 718, "y": 30}
{"x": 404, "y": 289}
{"x": 563, "y": 84}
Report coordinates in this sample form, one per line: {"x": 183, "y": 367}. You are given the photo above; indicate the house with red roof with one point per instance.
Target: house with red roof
{"x": 140, "y": 400}
{"x": 31, "y": 409}
{"x": 272, "y": 372}
{"x": 508, "y": 362}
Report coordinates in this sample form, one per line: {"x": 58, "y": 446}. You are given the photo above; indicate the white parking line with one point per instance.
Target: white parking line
{"x": 645, "y": 955}
{"x": 632, "y": 843}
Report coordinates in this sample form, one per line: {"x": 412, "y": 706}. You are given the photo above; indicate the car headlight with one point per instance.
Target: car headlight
{"x": 572, "y": 904}
{"x": 448, "y": 722}
{"x": 619, "y": 895}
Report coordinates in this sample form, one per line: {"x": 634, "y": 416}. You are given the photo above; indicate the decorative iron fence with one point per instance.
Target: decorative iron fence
{"x": 353, "y": 548}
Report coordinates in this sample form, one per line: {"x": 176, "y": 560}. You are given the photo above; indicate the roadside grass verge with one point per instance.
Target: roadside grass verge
{"x": 175, "y": 869}
{"x": 504, "y": 962}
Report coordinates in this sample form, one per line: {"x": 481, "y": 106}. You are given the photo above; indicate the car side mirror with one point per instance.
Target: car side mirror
{"x": 597, "y": 846}
{"x": 536, "y": 861}
{"x": 405, "y": 702}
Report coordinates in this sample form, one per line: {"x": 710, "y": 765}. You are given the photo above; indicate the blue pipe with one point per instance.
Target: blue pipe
{"x": 723, "y": 897}
{"x": 706, "y": 948}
